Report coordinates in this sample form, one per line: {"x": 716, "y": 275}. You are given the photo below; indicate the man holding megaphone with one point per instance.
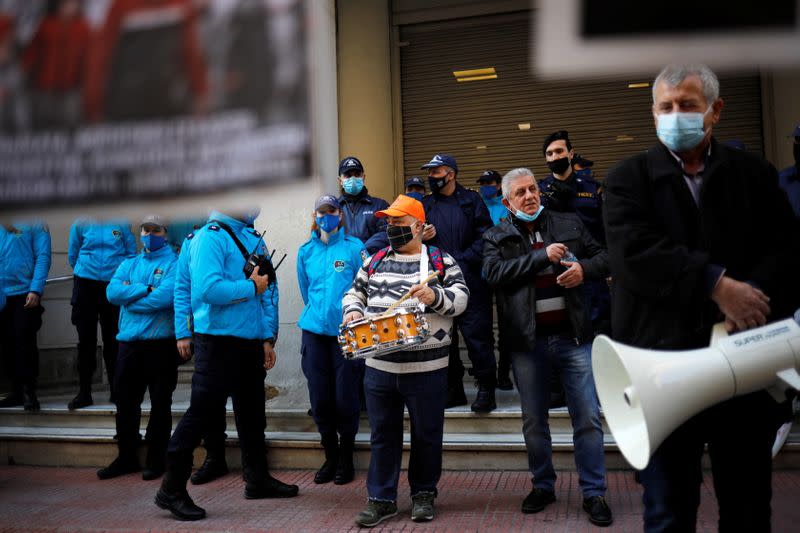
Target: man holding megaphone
{"x": 700, "y": 233}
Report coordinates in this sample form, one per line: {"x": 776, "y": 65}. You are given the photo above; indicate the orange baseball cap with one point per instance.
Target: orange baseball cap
{"x": 404, "y": 205}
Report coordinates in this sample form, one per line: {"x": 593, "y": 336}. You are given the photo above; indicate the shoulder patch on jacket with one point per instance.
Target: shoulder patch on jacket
{"x": 190, "y": 236}
{"x": 213, "y": 227}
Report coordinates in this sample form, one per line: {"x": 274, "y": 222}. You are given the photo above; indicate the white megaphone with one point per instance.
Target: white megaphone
{"x": 647, "y": 394}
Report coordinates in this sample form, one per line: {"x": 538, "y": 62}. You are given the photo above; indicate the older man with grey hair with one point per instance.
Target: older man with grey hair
{"x": 537, "y": 260}
{"x": 699, "y": 232}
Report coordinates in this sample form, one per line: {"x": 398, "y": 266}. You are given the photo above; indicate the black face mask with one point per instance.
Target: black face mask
{"x": 437, "y": 183}
{"x": 399, "y": 236}
{"x": 796, "y": 151}
{"x": 559, "y": 166}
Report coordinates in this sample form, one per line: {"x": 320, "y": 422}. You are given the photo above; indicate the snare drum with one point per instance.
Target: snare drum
{"x": 382, "y": 334}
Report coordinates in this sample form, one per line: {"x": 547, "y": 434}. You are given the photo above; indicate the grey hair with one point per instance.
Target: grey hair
{"x": 512, "y": 176}
{"x": 673, "y": 75}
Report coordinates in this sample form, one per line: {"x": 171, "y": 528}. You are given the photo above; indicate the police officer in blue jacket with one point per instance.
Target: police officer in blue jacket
{"x": 25, "y": 254}
{"x": 326, "y": 266}
{"x": 214, "y": 466}
{"x": 235, "y": 327}
{"x": 95, "y": 251}
{"x": 489, "y": 183}
{"x": 359, "y": 207}
{"x": 148, "y": 360}
{"x": 457, "y": 219}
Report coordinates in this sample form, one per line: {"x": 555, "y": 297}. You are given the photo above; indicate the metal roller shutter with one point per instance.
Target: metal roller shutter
{"x": 607, "y": 121}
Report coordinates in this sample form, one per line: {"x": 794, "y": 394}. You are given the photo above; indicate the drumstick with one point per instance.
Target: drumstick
{"x": 408, "y": 294}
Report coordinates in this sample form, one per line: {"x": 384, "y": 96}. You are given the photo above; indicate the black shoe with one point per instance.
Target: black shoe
{"x": 537, "y": 500}
{"x": 83, "y": 399}
{"x": 345, "y": 471}
{"x": 599, "y": 511}
{"x": 153, "y": 469}
{"x": 455, "y": 396}
{"x": 484, "y": 400}
{"x": 422, "y": 507}
{"x": 180, "y": 505}
{"x": 12, "y": 400}
{"x": 211, "y": 469}
{"x": 29, "y": 400}
{"x": 504, "y": 381}
{"x": 375, "y": 513}
{"x": 119, "y": 467}
{"x": 269, "y": 487}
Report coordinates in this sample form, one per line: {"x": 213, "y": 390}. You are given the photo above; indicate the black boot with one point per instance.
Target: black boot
{"x": 173, "y": 497}
{"x": 327, "y": 471}
{"x": 260, "y": 484}
{"x": 126, "y": 463}
{"x": 345, "y": 471}
{"x": 14, "y": 399}
{"x": 29, "y": 400}
{"x": 82, "y": 399}
{"x": 484, "y": 400}
{"x": 154, "y": 463}
{"x": 214, "y": 467}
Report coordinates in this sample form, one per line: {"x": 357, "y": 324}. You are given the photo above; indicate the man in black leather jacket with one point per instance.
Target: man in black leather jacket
{"x": 537, "y": 261}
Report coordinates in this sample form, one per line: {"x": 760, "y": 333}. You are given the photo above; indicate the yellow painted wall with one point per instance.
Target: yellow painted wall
{"x": 365, "y": 91}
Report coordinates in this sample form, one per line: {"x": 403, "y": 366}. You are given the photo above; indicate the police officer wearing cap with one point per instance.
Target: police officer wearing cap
{"x": 415, "y": 188}
{"x": 24, "y": 264}
{"x": 235, "y": 327}
{"x": 95, "y": 251}
{"x": 326, "y": 266}
{"x": 789, "y": 178}
{"x": 148, "y": 359}
{"x": 359, "y": 207}
{"x": 457, "y": 220}
{"x": 214, "y": 465}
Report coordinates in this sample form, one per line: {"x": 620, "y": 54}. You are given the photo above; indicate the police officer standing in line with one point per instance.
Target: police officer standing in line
{"x": 25, "y": 255}
{"x": 95, "y": 251}
{"x": 359, "y": 207}
{"x": 235, "y": 327}
{"x": 457, "y": 219}
{"x": 326, "y": 266}
{"x": 492, "y": 195}
{"x": 215, "y": 465}
{"x": 415, "y": 188}
{"x": 143, "y": 287}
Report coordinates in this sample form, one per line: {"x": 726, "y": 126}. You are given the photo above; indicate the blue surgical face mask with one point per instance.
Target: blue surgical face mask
{"x": 416, "y": 195}
{"x": 525, "y": 217}
{"x": 328, "y": 223}
{"x": 153, "y": 242}
{"x": 353, "y": 186}
{"x": 681, "y": 131}
{"x": 488, "y": 191}
{"x": 585, "y": 173}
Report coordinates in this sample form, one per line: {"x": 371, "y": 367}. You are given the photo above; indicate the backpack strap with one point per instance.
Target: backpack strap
{"x": 435, "y": 255}
{"x": 377, "y": 257}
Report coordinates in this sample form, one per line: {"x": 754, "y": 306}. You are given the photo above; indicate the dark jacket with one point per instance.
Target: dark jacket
{"x": 460, "y": 220}
{"x": 580, "y": 195}
{"x": 666, "y": 253}
{"x": 510, "y": 266}
{"x": 361, "y": 222}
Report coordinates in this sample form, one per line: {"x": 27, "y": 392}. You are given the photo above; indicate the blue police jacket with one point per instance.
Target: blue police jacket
{"x": 184, "y": 322}
{"x": 789, "y": 181}
{"x": 145, "y": 314}
{"x": 360, "y": 220}
{"x": 496, "y": 208}
{"x": 97, "y": 249}
{"x": 25, "y": 256}
{"x": 588, "y": 202}
{"x": 325, "y": 272}
{"x": 224, "y": 301}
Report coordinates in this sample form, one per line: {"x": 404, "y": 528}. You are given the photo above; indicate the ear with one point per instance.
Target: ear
{"x": 716, "y": 110}
{"x": 505, "y": 203}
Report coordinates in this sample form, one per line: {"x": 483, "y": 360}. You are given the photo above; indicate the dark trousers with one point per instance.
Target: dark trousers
{"x": 504, "y": 354}
{"x": 425, "y": 395}
{"x": 333, "y": 386}
{"x": 18, "y": 328}
{"x": 739, "y": 433}
{"x": 145, "y": 365}
{"x": 224, "y": 366}
{"x": 475, "y": 325}
{"x": 89, "y": 304}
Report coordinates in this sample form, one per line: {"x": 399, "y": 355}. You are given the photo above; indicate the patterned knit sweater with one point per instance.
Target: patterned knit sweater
{"x": 392, "y": 277}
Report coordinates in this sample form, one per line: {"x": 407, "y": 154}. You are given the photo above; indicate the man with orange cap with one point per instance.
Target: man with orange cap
{"x": 416, "y": 377}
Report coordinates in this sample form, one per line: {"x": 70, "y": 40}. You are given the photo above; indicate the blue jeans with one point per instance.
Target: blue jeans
{"x": 333, "y": 386}
{"x": 425, "y": 394}
{"x": 532, "y": 374}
